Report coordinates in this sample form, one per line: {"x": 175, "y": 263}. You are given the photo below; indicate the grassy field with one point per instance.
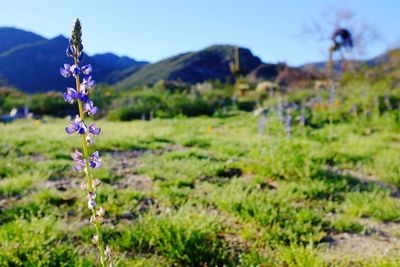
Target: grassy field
{"x": 206, "y": 192}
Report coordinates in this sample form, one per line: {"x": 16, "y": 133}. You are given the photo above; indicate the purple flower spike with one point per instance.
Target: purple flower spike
{"x": 95, "y": 160}
{"x": 88, "y": 82}
{"x": 87, "y": 69}
{"x": 70, "y": 95}
{"x": 90, "y": 109}
{"x": 66, "y": 70}
{"x": 75, "y": 70}
{"x": 93, "y": 129}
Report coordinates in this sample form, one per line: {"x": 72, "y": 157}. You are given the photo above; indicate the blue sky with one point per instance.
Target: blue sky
{"x": 155, "y": 29}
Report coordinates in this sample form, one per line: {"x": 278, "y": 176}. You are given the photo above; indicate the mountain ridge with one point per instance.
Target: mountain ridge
{"x": 31, "y": 62}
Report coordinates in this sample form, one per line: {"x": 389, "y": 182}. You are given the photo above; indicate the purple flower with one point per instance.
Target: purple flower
{"x": 66, "y": 70}
{"x": 91, "y": 195}
{"x": 75, "y": 70}
{"x": 80, "y": 57}
{"x": 92, "y": 132}
{"x": 89, "y": 139}
{"x": 91, "y": 204}
{"x": 83, "y": 96}
{"x": 70, "y": 95}
{"x": 90, "y": 109}
{"x": 93, "y": 129}
{"x": 76, "y": 126}
{"x": 87, "y": 69}
{"x": 70, "y": 51}
{"x": 95, "y": 160}
{"x": 88, "y": 82}
{"x": 79, "y": 162}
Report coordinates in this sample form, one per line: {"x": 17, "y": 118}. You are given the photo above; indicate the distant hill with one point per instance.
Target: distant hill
{"x": 211, "y": 63}
{"x": 121, "y": 67}
{"x": 11, "y": 37}
{"x": 31, "y": 63}
{"x": 388, "y": 64}
{"x": 116, "y": 62}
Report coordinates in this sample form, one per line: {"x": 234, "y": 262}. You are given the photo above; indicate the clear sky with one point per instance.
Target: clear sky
{"x": 155, "y": 29}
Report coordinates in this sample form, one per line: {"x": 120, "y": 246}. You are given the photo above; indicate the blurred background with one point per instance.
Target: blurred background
{"x": 234, "y": 133}
{"x": 185, "y": 47}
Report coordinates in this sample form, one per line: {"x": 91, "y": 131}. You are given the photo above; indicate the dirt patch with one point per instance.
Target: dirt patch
{"x": 36, "y": 157}
{"x": 378, "y": 240}
{"x": 124, "y": 165}
{"x": 136, "y": 181}
{"x": 367, "y": 178}
{"x": 170, "y": 148}
{"x": 63, "y": 184}
{"x": 229, "y": 172}
{"x": 9, "y": 201}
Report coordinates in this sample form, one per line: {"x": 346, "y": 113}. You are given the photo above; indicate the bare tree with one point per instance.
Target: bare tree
{"x": 351, "y": 35}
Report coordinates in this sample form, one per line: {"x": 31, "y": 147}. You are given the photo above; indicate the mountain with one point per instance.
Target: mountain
{"x": 121, "y": 67}
{"x": 211, "y": 63}
{"x": 35, "y": 68}
{"x": 116, "y": 62}
{"x": 11, "y": 37}
{"x": 31, "y": 63}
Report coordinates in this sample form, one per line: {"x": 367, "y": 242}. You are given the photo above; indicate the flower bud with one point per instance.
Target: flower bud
{"x": 101, "y": 211}
{"x": 89, "y": 140}
{"x": 76, "y": 35}
{"x": 91, "y": 195}
{"x": 96, "y": 183}
{"x": 84, "y": 186}
{"x": 95, "y": 240}
{"x": 108, "y": 253}
{"x": 95, "y": 219}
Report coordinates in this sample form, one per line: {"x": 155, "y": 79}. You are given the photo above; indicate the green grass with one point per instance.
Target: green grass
{"x": 199, "y": 191}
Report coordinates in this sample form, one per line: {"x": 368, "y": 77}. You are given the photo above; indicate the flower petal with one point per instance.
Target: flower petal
{"x": 65, "y": 73}
{"x": 69, "y": 130}
{"x": 93, "y": 111}
{"x": 94, "y": 130}
{"x": 95, "y": 154}
{"x": 69, "y": 99}
{"x": 71, "y": 91}
{"x": 70, "y": 51}
{"x": 83, "y": 97}
{"x": 87, "y": 69}
{"x": 75, "y": 70}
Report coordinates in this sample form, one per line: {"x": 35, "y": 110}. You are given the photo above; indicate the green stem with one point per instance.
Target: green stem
{"x": 88, "y": 171}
